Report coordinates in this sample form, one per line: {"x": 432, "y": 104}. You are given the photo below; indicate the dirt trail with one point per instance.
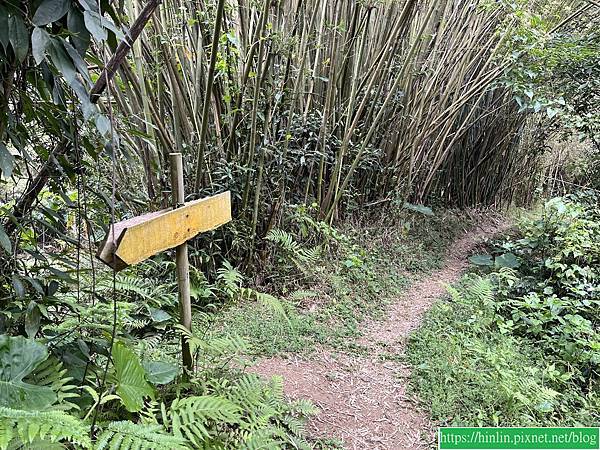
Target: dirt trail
{"x": 363, "y": 399}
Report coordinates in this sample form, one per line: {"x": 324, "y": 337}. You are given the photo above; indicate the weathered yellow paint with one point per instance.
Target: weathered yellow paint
{"x": 140, "y": 238}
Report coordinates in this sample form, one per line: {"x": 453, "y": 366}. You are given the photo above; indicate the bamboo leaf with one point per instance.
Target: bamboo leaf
{"x": 50, "y": 11}
{"x": 62, "y": 62}
{"x": 39, "y": 43}
{"x": 80, "y": 36}
{"x": 7, "y": 161}
{"x": 18, "y": 37}
{"x": 93, "y": 22}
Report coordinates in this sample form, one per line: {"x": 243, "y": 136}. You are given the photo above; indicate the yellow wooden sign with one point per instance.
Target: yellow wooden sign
{"x": 141, "y": 237}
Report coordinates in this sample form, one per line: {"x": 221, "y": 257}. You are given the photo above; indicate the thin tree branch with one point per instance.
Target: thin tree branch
{"x": 123, "y": 49}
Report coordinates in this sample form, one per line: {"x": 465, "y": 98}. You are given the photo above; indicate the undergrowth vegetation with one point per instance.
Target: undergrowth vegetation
{"x": 331, "y": 280}
{"x": 331, "y": 124}
{"x": 521, "y": 344}
{"x": 217, "y": 407}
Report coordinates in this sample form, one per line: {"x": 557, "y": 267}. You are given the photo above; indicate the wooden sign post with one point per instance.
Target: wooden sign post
{"x": 181, "y": 260}
{"x": 134, "y": 240}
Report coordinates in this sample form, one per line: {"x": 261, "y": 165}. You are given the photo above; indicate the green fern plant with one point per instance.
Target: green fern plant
{"x": 52, "y": 374}
{"x": 20, "y": 428}
{"x": 135, "y": 287}
{"x": 229, "y": 282}
{"x": 303, "y": 259}
{"x": 197, "y": 418}
{"x": 125, "y": 435}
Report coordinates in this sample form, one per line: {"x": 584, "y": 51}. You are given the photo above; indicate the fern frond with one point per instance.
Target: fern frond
{"x": 51, "y": 373}
{"x": 456, "y": 295}
{"x": 50, "y": 426}
{"x": 127, "y": 435}
{"x": 303, "y": 258}
{"x": 230, "y": 344}
{"x": 264, "y": 439}
{"x": 303, "y": 408}
{"x": 309, "y": 255}
{"x": 270, "y": 302}
{"x": 149, "y": 413}
{"x": 189, "y": 417}
{"x": 248, "y": 391}
{"x": 229, "y": 278}
{"x": 293, "y": 424}
{"x": 135, "y": 324}
{"x": 481, "y": 289}
{"x": 276, "y": 387}
{"x": 284, "y": 239}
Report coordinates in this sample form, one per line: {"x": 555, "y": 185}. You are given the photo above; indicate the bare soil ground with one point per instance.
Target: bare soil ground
{"x": 363, "y": 399}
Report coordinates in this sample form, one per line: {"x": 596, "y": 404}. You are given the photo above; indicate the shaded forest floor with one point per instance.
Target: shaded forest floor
{"x": 358, "y": 379}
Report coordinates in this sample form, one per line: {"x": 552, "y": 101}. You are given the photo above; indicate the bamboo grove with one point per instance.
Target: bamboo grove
{"x": 339, "y": 104}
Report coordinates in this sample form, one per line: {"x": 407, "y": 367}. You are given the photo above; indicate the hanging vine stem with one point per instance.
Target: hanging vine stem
{"x": 112, "y": 145}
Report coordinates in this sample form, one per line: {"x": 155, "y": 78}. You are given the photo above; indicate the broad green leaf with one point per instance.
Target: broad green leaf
{"x": 159, "y": 315}
{"x": 80, "y": 36}
{"x": 18, "y": 358}
{"x": 7, "y": 161}
{"x": 79, "y": 63}
{"x": 50, "y": 11}
{"x": 89, "y": 5}
{"x": 18, "y": 37}
{"x": 132, "y": 386}
{"x": 18, "y": 286}
{"x": 4, "y": 27}
{"x": 481, "y": 260}
{"x": 5, "y": 241}
{"x": 159, "y": 372}
{"x": 87, "y": 107}
{"x": 425, "y": 210}
{"x": 93, "y": 22}
{"x": 507, "y": 260}
{"x": 39, "y": 43}
{"x": 62, "y": 62}
{"x": 32, "y": 319}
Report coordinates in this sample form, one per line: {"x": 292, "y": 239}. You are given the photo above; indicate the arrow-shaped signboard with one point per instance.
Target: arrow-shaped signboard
{"x": 141, "y": 237}
{"x": 134, "y": 240}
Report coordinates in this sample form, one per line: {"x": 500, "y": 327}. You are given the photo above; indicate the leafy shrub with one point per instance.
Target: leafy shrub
{"x": 219, "y": 406}
{"x": 554, "y": 298}
{"x": 521, "y": 346}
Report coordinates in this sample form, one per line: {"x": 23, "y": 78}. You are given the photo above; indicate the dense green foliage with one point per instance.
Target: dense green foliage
{"x": 554, "y": 299}
{"x": 521, "y": 346}
{"x": 332, "y": 281}
{"x": 555, "y": 73}
{"x": 312, "y": 113}
{"x": 222, "y": 408}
